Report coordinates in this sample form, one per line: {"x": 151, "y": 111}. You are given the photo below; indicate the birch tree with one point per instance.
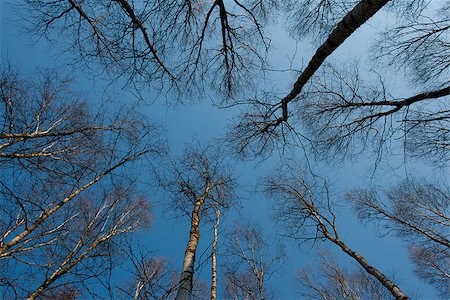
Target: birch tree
{"x": 62, "y": 211}
{"x": 332, "y": 281}
{"x": 266, "y": 123}
{"x": 342, "y": 109}
{"x": 188, "y": 45}
{"x": 345, "y": 113}
{"x": 251, "y": 260}
{"x": 214, "y": 251}
{"x": 308, "y": 216}
{"x": 418, "y": 212}
{"x": 184, "y": 44}
{"x": 152, "y": 278}
{"x": 199, "y": 184}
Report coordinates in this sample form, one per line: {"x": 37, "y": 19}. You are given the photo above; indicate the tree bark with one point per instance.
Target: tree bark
{"x": 261, "y": 287}
{"x": 362, "y": 12}
{"x": 214, "y": 257}
{"x": 187, "y": 274}
{"x": 393, "y": 289}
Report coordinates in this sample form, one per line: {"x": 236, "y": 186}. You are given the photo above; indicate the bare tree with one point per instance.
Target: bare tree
{"x": 343, "y": 113}
{"x": 154, "y": 278}
{"x": 317, "y": 18}
{"x": 431, "y": 264}
{"x": 190, "y": 43}
{"x": 340, "y": 109}
{"x": 419, "y": 213}
{"x": 187, "y": 45}
{"x": 251, "y": 261}
{"x": 241, "y": 285}
{"x": 54, "y": 236}
{"x": 214, "y": 252}
{"x": 199, "y": 184}
{"x": 419, "y": 42}
{"x": 308, "y": 215}
{"x": 422, "y": 119}
{"x": 99, "y": 225}
{"x": 344, "y": 110}
{"x": 334, "y": 282}
{"x": 266, "y": 121}
{"x": 181, "y": 43}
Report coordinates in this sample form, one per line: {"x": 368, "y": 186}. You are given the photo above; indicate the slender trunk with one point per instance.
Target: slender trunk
{"x": 261, "y": 287}
{"x": 214, "y": 257}
{"x": 187, "y": 274}
{"x": 261, "y": 274}
{"x": 393, "y": 289}
{"x": 139, "y": 287}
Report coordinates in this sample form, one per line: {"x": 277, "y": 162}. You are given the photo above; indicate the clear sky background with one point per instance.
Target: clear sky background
{"x": 168, "y": 236}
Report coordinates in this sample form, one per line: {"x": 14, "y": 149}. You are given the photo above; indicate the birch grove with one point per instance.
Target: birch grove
{"x": 306, "y": 90}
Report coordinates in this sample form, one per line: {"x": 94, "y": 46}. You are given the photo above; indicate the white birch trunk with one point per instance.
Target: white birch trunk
{"x": 214, "y": 257}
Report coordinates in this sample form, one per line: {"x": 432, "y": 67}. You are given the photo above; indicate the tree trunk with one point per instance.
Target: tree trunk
{"x": 261, "y": 287}
{"x": 362, "y": 12}
{"x": 187, "y": 274}
{"x": 214, "y": 257}
{"x": 393, "y": 289}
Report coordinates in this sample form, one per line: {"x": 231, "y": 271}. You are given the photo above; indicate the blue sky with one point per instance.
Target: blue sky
{"x": 168, "y": 236}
